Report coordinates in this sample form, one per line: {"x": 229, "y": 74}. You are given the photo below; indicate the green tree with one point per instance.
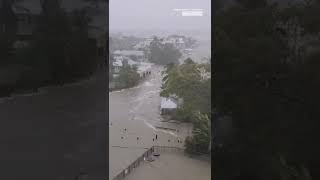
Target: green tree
{"x": 163, "y": 53}
{"x": 199, "y": 143}
{"x": 128, "y": 76}
{"x": 186, "y": 82}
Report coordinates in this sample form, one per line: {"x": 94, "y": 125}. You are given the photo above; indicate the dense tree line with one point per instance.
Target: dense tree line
{"x": 163, "y": 53}
{"x": 128, "y": 77}
{"x": 187, "y": 81}
{"x": 266, "y": 80}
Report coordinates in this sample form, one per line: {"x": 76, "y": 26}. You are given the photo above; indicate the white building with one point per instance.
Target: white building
{"x": 132, "y": 63}
{"x": 132, "y": 54}
{"x": 177, "y": 42}
{"x": 168, "y": 105}
{"x": 144, "y": 44}
{"x": 180, "y": 43}
{"x": 143, "y": 68}
{"x": 117, "y": 65}
{"x": 188, "y": 51}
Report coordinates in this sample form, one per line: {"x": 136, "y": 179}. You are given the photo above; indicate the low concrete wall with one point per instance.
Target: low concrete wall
{"x": 133, "y": 165}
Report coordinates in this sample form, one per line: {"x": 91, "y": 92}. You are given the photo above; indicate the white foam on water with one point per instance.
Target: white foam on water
{"x": 145, "y": 96}
{"x": 148, "y": 84}
{"x": 155, "y": 129}
{"x": 126, "y": 89}
{"x": 150, "y": 126}
{"x": 116, "y": 91}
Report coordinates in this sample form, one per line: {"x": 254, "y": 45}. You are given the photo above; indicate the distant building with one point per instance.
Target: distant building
{"x": 117, "y": 64}
{"x": 131, "y": 62}
{"x": 120, "y": 61}
{"x": 188, "y": 51}
{"x": 132, "y": 54}
{"x": 204, "y": 74}
{"x": 143, "y": 45}
{"x": 180, "y": 43}
{"x": 177, "y": 41}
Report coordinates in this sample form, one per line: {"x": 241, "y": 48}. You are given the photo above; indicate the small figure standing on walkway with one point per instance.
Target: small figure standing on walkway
{"x": 137, "y": 138}
{"x": 156, "y": 136}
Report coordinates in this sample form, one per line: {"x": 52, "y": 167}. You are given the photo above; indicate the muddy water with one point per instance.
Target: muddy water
{"x": 172, "y": 165}
{"x": 135, "y": 123}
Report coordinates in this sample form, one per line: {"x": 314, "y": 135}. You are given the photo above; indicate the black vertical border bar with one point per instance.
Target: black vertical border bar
{"x": 107, "y": 98}
{"x": 213, "y": 112}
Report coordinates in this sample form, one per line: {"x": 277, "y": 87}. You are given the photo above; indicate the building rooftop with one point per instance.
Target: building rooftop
{"x": 131, "y": 62}
{"x": 118, "y": 58}
{"x": 129, "y": 53}
{"x": 180, "y": 41}
{"x": 168, "y": 103}
{"x": 117, "y": 63}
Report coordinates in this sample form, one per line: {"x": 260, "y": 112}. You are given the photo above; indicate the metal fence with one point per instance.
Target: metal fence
{"x": 142, "y": 158}
{"x": 167, "y": 149}
{"x": 133, "y": 165}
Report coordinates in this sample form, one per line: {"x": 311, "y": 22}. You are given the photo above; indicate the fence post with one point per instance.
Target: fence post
{"x": 144, "y": 156}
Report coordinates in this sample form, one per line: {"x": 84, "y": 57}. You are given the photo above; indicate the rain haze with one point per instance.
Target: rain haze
{"x": 158, "y": 16}
{"x": 142, "y": 122}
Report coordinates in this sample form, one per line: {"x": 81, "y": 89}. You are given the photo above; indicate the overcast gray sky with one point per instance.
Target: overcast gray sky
{"x": 157, "y": 14}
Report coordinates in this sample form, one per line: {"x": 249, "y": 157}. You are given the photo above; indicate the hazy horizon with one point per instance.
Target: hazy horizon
{"x": 157, "y": 16}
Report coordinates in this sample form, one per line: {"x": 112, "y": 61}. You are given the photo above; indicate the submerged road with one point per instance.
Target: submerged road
{"x": 135, "y": 123}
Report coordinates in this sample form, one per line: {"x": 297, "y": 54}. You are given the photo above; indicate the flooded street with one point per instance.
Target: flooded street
{"x": 135, "y": 123}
